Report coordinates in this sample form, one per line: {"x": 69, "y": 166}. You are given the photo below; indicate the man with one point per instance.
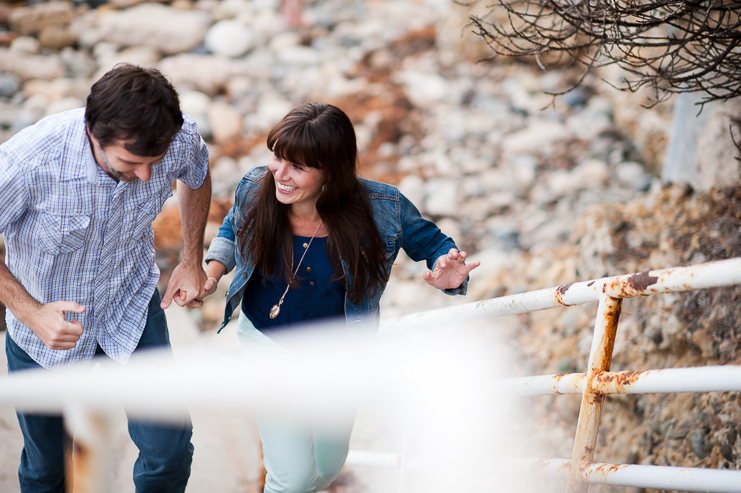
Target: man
{"x": 79, "y": 191}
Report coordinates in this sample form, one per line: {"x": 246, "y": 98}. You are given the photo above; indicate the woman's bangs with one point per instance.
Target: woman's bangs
{"x": 298, "y": 148}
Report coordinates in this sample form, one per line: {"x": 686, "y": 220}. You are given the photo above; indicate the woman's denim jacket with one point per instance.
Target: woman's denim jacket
{"x": 397, "y": 219}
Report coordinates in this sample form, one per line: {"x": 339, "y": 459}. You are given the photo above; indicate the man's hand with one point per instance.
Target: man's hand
{"x": 450, "y": 270}
{"x": 187, "y": 282}
{"x": 186, "y": 286}
{"x": 48, "y": 323}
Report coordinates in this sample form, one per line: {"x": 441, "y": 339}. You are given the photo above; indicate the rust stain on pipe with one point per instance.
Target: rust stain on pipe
{"x": 642, "y": 281}
{"x": 591, "y": 406}
{"x": 634, "y": 285}
{"x": 607, "y": 469}
{"x": 560, "y": 293}
{"x": 615, "y": 380}
{"x": 81, "y": 468}
{"x": 541, "y": 465}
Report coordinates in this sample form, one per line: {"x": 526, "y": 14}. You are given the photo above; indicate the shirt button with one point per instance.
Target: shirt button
{"x": 244, "y": 274}
{"x": 311, "y": 282}
{"x": 308, "y": 269}
{"x": 306, "y": 245}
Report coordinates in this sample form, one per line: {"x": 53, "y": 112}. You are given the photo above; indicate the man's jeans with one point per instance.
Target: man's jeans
{"x": 165, "y": 452}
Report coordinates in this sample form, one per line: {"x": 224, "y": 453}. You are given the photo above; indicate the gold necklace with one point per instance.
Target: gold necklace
{"x": 275, "y": 310}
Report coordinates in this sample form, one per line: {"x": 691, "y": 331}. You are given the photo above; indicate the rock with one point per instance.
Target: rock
{"x": 473, "y": 164}
{"x": 86, "y": 27}
{"x": 648, "y": 130}
{"x": 270, "y": 110}
{"x": 32, "y": 20}
{"x": 422, "y": 88}
{"x": 223, "y": 174}
{"x": 166, "y": 29}
{"x": 56, "y": 37}
{"x": 109, "y": 57}
{"x": 727, "y": 452}
{"x": 196, "y": 104}
{"x": 591, "y": 173}
{"x": 122, "y": 4}
{"x": 205, "y": 73}
{"x": 229, "y": 9}
{"x": 536, "y": 138}
{"x": 632, "y": 175}
{"x": 705, "y": 343}
{"x": 64, "y": 104}
{"x": 450, "y": 227}
{"x": 9, "y": 84}
{"x": 412, "y": 186}
{"x": 698, "y": 444}
{"x": 226, "y": 122}
{"x": 5, "y": 11}
{"x": 77, "y": 63}
{"x": 284, "y": 40}
{"x": 9, "y": 113}
{"x": 499, "y": 180}
{"x": 229, "y": 38}
{"x": 298, "y": 55}
{"x": 562, "y": 184}
{"x": 259, "y": 64}
{"x": 28, "y": 66}
{"x": 57, "y": 89}
{"x": 524, "y": 168}
{"x": 589, "y": 123}
{"x": 25, "y": 44}
{"x": 441, "y": 197}
{"x": 575, "y": 98}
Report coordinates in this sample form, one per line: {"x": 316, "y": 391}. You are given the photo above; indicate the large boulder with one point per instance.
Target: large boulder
{"x": 166, "y": 29}
{"x": 230, "y": 38}
{"x": 29, "y": 66}
{"x": 33, "y": 20}
{"x": 191, "y": 71}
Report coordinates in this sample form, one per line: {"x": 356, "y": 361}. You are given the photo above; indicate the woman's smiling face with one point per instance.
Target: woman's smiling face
{"x": 296, "y": 184}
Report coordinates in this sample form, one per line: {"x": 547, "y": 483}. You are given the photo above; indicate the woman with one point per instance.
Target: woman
{"x": 310, "y": 241}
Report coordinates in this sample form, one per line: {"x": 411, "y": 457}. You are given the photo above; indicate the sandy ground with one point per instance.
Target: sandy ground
{"x": 226, "y": 446}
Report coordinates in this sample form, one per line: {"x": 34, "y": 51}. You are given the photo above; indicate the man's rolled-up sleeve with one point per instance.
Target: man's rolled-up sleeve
{"x": 192, "y": 171}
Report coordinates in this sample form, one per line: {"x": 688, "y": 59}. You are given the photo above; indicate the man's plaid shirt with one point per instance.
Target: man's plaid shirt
{"x": 72, "y": 233}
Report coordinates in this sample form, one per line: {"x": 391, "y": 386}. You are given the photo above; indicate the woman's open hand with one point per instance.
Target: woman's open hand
{"x": 450, "y": 270}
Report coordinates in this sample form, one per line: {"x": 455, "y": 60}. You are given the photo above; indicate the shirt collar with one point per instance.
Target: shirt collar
{"x": 75, "y": 147}
{"x": 77, "y": 157}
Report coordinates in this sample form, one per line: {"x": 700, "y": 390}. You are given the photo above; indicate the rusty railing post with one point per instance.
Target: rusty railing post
{"x": 600, "y": 357}
{"x": 89, "y": 466}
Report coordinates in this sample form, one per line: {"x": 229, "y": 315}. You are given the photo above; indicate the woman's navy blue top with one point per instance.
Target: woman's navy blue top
{"x": 319, "y": 294}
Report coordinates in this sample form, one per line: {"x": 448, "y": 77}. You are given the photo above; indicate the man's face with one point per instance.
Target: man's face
{"x": 121, "y": 165}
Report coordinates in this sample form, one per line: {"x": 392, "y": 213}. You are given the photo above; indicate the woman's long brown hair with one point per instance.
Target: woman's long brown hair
{"x": 319, "y": 136}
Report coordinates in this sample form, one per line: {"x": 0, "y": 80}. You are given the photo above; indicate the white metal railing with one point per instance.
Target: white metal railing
{"x": 211, "y": 381}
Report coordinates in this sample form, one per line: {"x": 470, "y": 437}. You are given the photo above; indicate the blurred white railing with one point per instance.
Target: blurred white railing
{"x": 155, "y": 390}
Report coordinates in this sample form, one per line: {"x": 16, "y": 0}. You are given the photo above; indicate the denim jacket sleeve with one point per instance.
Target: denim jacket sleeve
{"x": 423, "y": 240}
{"x": 223, "y": 248}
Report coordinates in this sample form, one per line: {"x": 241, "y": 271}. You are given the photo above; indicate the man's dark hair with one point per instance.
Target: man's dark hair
{"x": 136, "y": 105}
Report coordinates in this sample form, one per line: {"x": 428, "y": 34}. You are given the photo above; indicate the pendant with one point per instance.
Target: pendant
{"x": 274, "y": 311}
